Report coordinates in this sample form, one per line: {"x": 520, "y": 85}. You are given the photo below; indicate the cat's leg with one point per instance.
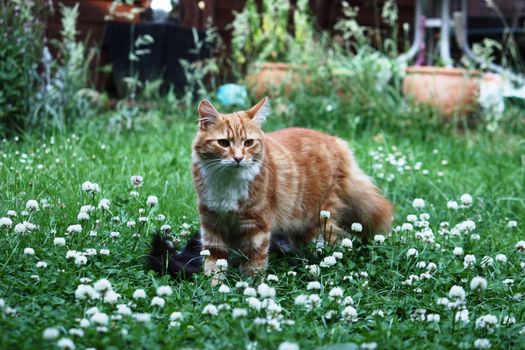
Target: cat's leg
{"x": 256, "y": 248}
{"x": 218, "y": 250}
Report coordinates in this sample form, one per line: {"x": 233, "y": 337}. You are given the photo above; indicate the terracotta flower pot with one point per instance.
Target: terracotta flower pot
{"x": 273, "y": 78}
{"x": 453, "y": 91}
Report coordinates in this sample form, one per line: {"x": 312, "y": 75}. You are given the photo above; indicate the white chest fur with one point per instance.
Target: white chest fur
{"x": 226, "y": 188}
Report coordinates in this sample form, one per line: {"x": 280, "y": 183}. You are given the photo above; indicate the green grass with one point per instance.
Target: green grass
{"x": 490, "y": 168}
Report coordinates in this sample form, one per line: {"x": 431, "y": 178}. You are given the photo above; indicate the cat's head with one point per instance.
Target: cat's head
{"x": 230, "y": 140}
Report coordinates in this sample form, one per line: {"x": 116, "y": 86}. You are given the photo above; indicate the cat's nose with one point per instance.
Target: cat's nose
{"x": 238, "y": 159}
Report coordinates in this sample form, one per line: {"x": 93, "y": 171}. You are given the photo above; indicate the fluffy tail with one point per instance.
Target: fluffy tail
{"x": 164, "y": 258}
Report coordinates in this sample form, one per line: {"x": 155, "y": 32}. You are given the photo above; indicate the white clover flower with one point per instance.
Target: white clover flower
{"x": 412, "y": 252}
{"x": 301, "y": 299}
{"x": 272, "y": 278}
{"x": 418, "y": 203}
{"x": 314, "y": 270}
{"x": 265, "y": 291}
{"x": 167, "y": 229}
{"x": 502, "y": 258}
{"x": 431, "y": 266}
{"x": 369, "y": 346}
{"x": 254, "y": 303}
{"x": 100, "y": 318}
{"x": 11, "y": 213}
{"x": 407, "y": 227}
{"x": 211, "y": 310}
{"x": 520, "y": 246}
{"x": 433, "y": 318}
{"x": 76, "y": 332}
{"x": 337, "y": 255}
{"x": 457, "y": 292}
{"x": 475, "y": 237}
{"x": 90, "y": 187}
{"x": 82, "y": 216}
{"x": 50, "y": 333}
{"x": 478, "y": 283}
{"x": 123, "y": 309}
{"x": 250, "y": 292}
{"x": 142, "y": 317}
{"x": 164, "y": 291}
{"x": 104, "y": 204}
{"x": 356, "y": 227}
{"x": 137, "y": 181}
{"x": 421, "y": 264}
{"x": 74, "y": 229}
{"x": 80, "y": 259}
{"x": 508, "y": 281}
{"x": 29, "y": 251}
{"x": 6, "y": 222}
{"x": 32, "y": 205}
{"x": 348, "y": 300}
{"x": 411, "y": 218}
{"x": 313, "y": 285}
{"x": 176, "y": 316}
{"x": 222, "y": 264}
{"x": 379, "y": 238}
{"x": 131, "y": 224}
{"x": 508, "y": 320}
{"x": 466, "y": 199}
{"x": 224, "y": 289}
{"x": 462, "y": 316}
{"x": 324, "y": 214}
{"x": 41, "y": 264}
{"x": 288, "y": 346}
{"x": 21, "y": 228}
{"x": 349, "y": 313}
{"x": 66, "y": 343}
{"x": 512, "y": 224}
{"x": 328, "y": 261}
{"x": 114, "y": 234}
{"x": 336, "y": 292}
{"x": 442, "y": 301}
{"x": 347, "y": 243}
{"x": 453, "y": 205}
{"x": 104, "y": 251}
{"x": 469, "y": 261}
{"x": 238, "y": 312}
{"x": 241, "y": 284}
{"x": 87, "y": 208}
{"x": 489, "y": 322}
{"x": 158, "y": 301}
{"x": 486, "y": 261}
{"x": 111, "y": 297}
{"x": 84, "y": 323}
{"x": 482, "y": 343}
{"x": 458, "y": 251}
{"x": 152, "y": 201}
{"x": 85, "y": 291}
{"x": 102, "y": 285}
{"x": 139, "y": 294}
{"x": 314, "y": 299}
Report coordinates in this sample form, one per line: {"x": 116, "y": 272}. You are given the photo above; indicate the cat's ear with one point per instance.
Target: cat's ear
{"x": 207, "y": 114}
{"x": 260, "y": 111}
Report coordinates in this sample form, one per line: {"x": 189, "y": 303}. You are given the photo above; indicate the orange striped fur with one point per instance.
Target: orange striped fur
{"x": 251, "y": 184}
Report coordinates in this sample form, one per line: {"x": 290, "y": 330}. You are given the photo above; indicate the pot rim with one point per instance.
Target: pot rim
{"x": 434, "y": 70}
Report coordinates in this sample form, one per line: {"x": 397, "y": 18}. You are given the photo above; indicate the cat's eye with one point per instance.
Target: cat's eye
{"x": 248, "y": 143}
{"x": 224, "y": 143}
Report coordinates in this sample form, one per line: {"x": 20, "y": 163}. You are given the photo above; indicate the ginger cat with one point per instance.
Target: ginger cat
{"x": 251, "y": 184}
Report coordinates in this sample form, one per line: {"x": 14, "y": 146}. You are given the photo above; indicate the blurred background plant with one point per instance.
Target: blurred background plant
{"x": 64, "y": 93}
{"x": 21, "y": 45}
